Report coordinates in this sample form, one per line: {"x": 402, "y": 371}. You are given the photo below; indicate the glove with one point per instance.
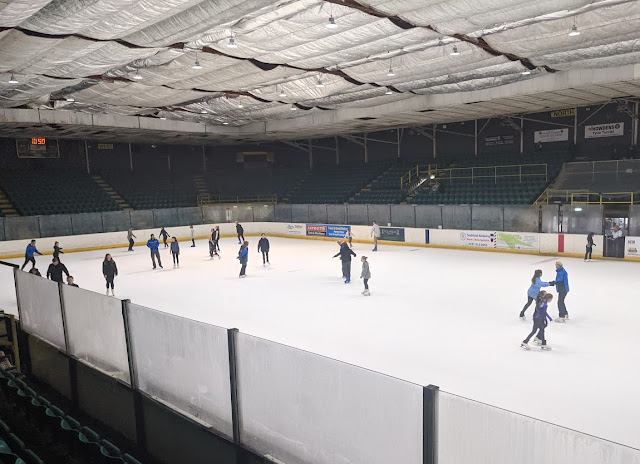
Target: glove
{"x": 553, "y": 283}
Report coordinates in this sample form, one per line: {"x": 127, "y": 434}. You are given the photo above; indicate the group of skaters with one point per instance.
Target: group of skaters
{"x": 346, "y": 253}
{"x": 56, "y": 269}
{"x": 543, "y": 299}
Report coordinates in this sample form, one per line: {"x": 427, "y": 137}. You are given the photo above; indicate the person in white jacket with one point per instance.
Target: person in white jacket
{"x": 375, "y": 233}
{"x": 193, "y": 236}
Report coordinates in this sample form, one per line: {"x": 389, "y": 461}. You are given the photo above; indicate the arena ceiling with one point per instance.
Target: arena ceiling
{"x": 163, "y": 70}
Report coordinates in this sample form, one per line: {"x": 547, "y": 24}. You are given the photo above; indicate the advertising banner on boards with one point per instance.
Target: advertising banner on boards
{"x": 499, "y": 240}
{"x": 294, "y": 229}
{"x": 337, "y": 231}
{"x": 393, "y": 234}
{"x": 552, "y": 135}
{"x": 614, "y": 129}
{"x": 631, "y": 247}
{"x": 316, "y": 230}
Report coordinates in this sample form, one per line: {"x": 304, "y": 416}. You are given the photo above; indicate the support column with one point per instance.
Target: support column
{"x": 430, "y": 424}
{"x": 310, "y": 155}
{"x": 575, "y": 128}
{"x": 434, "y": 141}
{"x": 634, "y": 125}
{"x": 337, "y": 151}
{"x": 86, "y": 155}
{"x": 233, "y": 380}
{"x": 399, "y": 138}
{"x": 475, "y": 137}
{"x": 521, "y": 134}
{"x": 130, "y": 158}
{"x": 366, "y": 151}
{"x": 204, "y": 160}
{"x": 169, "y": 158}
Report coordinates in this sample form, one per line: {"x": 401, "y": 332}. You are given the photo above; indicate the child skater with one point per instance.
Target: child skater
{"x": 590, "y": 246}
{"x": 365, "y": 275}
{"x": 540, "y": 317}
{"x": 536, "y": 284}
{"x": 243, "y": 256}
{"x": 263, "y": 246}
{"x": 109, "y": 271}
{"x": 175, "y": 252}
{"x": 57, "y": 250}
{"x": 212, "y": 249}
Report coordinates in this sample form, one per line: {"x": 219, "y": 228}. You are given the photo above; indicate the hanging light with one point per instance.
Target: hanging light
{"x": 203, "y": 111}
{"x": 137, "y": 75}
{"x": 455, "y": 51}
{"x": 390, "y": 73}
{"x": 293, "y": 107}
{"x": 163, "y": 119}
{"x": 574, "y": 31}
{"x": 526, "y": 72}
{"x": 389, "y": 91}
{"x": 197, "y": 64}
{"x": 319, "y": 84}
{"x": 232, "y": 42}
{"x": 331, "y": 24}
{"x": 440, "y": 42}
{"x": 225, "y": 123}
{"x": 13, "y": 80}
{"x": 240, "y": 105}
{"x": 70, "y": 99}
{"x": 282, "y": 93}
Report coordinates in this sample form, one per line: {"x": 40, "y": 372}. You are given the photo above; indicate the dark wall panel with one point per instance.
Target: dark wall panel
{"x": 86, "y": 223}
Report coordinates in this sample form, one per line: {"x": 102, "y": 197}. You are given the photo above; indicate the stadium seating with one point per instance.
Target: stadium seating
{"x": 385, "y": 189}
{"x": 336, "y": 185}
{"x": 253, "y": 182}
{"x": 154, "y": 191}
{"x": 55, "y": 192}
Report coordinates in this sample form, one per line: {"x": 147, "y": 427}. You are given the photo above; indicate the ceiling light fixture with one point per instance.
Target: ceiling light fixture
{"x": 137, "y": 75}
{"x": 232, "y": 42}
{"x": 332, "y": 22}
{"x": 70, "y": 99}
{"x": 389, "y": 91}
{"x": 293, "y": 107}
{"x": 390, "y": 73}
{"x": 163, "y": 119}
{"x": 240, "y": 105}
{"x": 319, "y": 84}
{"x": 13, "y": 80}
{"x": 574, "y": 31}
{"x": 203, "y": 111}
{"x": 455, "y": 51}
{"x": 225, "y": 123}
{"x": 526, "y": 72}
{"x": 282, "y": 93}
{"x": 197, "y": 64}
{"x": 440, "y": 42}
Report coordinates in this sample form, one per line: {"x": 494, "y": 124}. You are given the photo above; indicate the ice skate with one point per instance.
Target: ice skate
{"x": 113, "y": 293}
{"x": 537, "y": 341}
{"x": 366, "y": 293}
{"x": 559, "y": 319}
{"x": 524, "y": 346}
{"x": 545, "y": 348}
{"x": 522, "y": 318}
{"x": 347, "y": 280}
{"x": 375, "y": 249}
{"x": 161, "y": 267}
{"x": 107, "y": 292}
{"x": 174, "y": 266}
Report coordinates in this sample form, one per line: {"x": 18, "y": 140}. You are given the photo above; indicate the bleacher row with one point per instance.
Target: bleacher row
{"x": 56, "y": 436}
{"x": 52, "y": 192}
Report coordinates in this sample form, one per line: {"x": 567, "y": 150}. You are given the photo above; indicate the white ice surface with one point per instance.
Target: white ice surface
{"x": 442, "y": 317}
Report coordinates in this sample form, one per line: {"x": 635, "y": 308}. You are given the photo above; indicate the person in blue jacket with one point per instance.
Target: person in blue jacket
{"x": 28, "y": 255}
{"x": 243, "y": 256}
{"x": 536, "y": 284}
{"x": 153, "y": 245}
{"x": 175, "y": 252}
{"x": 540, "y": 317}
{"x": 562, "y": 287}
{"x": 263, "y": 246}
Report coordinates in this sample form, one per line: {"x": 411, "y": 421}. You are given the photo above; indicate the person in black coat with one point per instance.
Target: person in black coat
{"x": 263, "y": 246}
{"x": 109, "y": 271}
{"x": 57, "y": 250}
{"x": 345, "y": 254}
{"x": 164, "y": 235}
{"x": 590, "y": 245}
{"x": 240, "y": 232}
{"x": 55, "y": 271}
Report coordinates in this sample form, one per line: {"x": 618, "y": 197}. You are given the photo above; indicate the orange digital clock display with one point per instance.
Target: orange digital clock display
{"x": 38, "y": 141}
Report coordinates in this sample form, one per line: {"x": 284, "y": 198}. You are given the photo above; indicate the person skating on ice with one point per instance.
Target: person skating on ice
{"x": 540, "y": 317}
{"x": 240, "y": 232}
{"x": 175, "y": 252}
{"x": 375, "y": 233}
{"x": 153, "y": 245}
{"x": 349, "y": 236}
{"x": 193, "y": 236}
{"x": 212, "y": 249}
{"x": 536, "y": 284}
{"x": 263, "y": 247}
{"x": 243, "y": 256}
{"x": 71, "y": 282}
{"x": 365, "y": 275}
{"x": 55, "y": 271}
{"x": 164, "y": 235}
{"x": 590, "y": 245}
{"x": 562, "y": 287}
{"x": 28, "y": 255}
{"x": 216, "y": 239}
{"x": 130, "y": 238}
{"x": 109, "y": 272}
{"x": 345, "y": 254}
{"x": 57, "y": 250}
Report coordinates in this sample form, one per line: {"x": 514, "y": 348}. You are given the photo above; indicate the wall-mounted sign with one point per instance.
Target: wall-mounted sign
{"x": 563, "y": 113}
{"x": 499, "y": 140}
{"x": 552, "y": 135}
{"x": 105, "y": 146}
{"x": 613, "y": 129}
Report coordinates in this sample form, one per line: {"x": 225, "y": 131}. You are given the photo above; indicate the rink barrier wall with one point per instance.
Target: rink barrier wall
{"x": 183, "y": 379}
{"x": 572, "y": 245}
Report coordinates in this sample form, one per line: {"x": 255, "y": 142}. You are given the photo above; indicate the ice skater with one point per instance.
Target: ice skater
{"x": 175, "y": 252}
{"x": 153, "y": 245}
{"x": 590, "y": 246}
{"x": 540, "y": 317}
{"x": 57, "y": 250}
{"x": 562, "y": 287}
{"x": 71, "y": 282}
{"x": 536, "y": 284}
{"x": 365, "y": 275}
{"x": 130, "y": 238}
{"x": 243, "y": 256}
{"x": 56, "y": 268}
{"x": 193, "y": 236}
{"x": 28, "y": 255}
{"x": 212, "y": 249}
{"x": 345, "y": 254}
{"x": 375, "y": 233}
{"x": 110, "y": 271}
{"x": 349, "y": 237}
{"x": 263, "y": 246}
{"x": 164, "y": 235}
{"x": 215, "y": 235}
{"x": 240, "y": 232}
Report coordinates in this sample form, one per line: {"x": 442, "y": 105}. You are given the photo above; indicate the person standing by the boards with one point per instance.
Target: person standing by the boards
{"x": 240, "y": 232}
{"x": 375, "y": 233}
{"x": 590, "y": 245}
{"x": 153, "y": 246}
{"x": 193, "y": 236}
{"x": 56, "y": 268}
{"x": 130, "y": 237}
{"x": 109, "y": 272}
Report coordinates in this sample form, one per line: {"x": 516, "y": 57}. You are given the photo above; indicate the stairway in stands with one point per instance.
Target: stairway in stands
{"x": 112, "y": 193}
{"x": 293, "y": 190}
{"x": 200, "y": 184}
{"x": 6, "y": 208}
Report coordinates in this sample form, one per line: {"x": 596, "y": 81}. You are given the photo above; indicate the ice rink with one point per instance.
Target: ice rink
{"x": 435, "y": 316}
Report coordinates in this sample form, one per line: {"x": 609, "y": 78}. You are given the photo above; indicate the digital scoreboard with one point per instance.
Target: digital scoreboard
{"x": 37, "y": 147}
